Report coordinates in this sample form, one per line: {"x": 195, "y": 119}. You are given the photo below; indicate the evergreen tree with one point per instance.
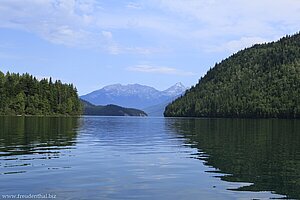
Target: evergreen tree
{"x": 261, "y": 81}
{"x": 24, "y": 94}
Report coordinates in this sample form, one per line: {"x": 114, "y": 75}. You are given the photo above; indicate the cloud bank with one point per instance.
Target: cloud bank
{"x": 200, "y": 24}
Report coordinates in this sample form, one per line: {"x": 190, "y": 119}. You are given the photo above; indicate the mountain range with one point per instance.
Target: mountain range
{"x": 146, "y": 98}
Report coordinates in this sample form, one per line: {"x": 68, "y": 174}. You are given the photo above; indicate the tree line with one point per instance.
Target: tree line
{"x": 26, "y": 95}
{"x": 262, "y": 81}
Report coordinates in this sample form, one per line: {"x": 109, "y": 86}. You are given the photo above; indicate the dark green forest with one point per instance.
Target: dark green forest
{"x": 262, "y": 81}
{"x": 110, "y": 110}
{"x": 263, "y": 152}
{"x": 25, "y": 95}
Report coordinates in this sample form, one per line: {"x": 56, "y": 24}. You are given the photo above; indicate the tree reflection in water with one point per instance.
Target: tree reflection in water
{"x": 263, "y": 152}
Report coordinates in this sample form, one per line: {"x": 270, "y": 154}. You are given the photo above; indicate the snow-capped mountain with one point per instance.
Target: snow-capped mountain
{"x": 175, "y": 90}
{"x": 133, "y": 95}
{"x": 129, "y": 90}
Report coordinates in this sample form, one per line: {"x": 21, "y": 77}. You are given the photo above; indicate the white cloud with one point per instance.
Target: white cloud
{"x": 236, "y": 45}
{"x": 230, "y": 12}
{"x": 77, "y": 23}
{"x": 217, "y": 20}
{"x": 133, "y": 5}
{"x": 199, "y": 23}
{"x": 61, "y": 22}
{"x": 114, "y": 48}
{"x": 160, "y": 70}
{"x": 107, "y": 34}
{"x": 66, "y": 35}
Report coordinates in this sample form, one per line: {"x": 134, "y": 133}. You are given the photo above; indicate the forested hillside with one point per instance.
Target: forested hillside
{"x": 262, "y": 81}
{"x": 110, "y": 110}
{"x": 25, "y": 95}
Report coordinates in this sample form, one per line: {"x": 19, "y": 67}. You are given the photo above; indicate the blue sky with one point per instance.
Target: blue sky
{"x": 94, "y": 43}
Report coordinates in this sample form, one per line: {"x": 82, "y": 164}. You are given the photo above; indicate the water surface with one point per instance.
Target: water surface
{"x": 150, "y": 158}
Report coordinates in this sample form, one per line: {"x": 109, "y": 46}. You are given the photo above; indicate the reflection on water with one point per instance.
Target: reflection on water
{"x": 263, "y": 152}
{"x": 149, "y": 158}
{"x": 23, "y": 139}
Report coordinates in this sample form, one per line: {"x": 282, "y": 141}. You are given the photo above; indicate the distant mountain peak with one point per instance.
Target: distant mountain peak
{"x": 133, "y": 95}
{"x": 112, "y": 87}
{"x": 179, "y": 84}
{"x": 176, "y": 89}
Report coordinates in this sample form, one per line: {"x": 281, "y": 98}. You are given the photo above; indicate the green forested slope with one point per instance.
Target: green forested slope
{"x": 25, "y": 95}
{"x": 261, "y": 81}
{"x": 110, "y": 110}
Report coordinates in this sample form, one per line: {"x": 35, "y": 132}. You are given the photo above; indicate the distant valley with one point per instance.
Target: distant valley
{"x": 142, "y": 97}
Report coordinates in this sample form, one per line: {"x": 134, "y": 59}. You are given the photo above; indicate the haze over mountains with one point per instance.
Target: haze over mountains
{"x": 135, "y": 96}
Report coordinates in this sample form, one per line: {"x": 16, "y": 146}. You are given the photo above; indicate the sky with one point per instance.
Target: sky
{"x": 94, "y": 43}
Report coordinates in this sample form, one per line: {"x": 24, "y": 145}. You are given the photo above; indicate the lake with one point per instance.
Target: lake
{"x": 149, "y": 158}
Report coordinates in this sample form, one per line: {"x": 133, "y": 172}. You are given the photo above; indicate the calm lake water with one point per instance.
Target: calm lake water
{"x": 149, "y": 158}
